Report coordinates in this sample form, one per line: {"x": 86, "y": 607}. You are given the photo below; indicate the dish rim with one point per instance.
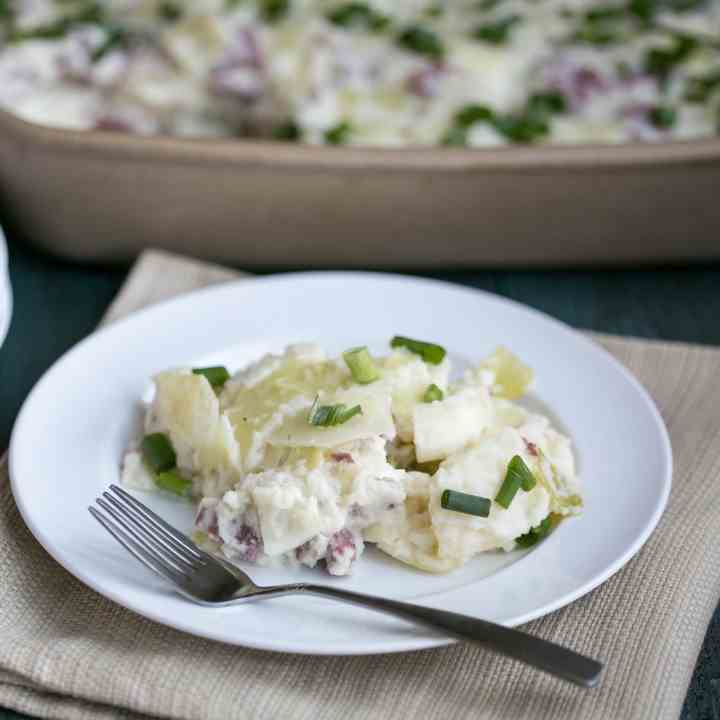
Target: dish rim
{"x": 251, "y": 152}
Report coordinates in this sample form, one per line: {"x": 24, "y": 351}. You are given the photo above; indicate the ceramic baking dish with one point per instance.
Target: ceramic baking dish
{"x": 104, "y": 196}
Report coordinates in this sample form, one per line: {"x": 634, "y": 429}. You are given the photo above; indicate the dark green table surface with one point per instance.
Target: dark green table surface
{"x": 58, "y": 303}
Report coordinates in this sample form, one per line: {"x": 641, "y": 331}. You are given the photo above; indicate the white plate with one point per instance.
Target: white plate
{"x": 69, "y": 439}
{"x": 5, "y": 292}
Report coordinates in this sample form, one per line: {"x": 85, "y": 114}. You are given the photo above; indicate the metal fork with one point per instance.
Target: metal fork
{"x": 207, "y": 580}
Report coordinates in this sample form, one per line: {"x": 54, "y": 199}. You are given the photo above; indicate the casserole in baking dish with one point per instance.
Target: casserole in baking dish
{"x": 386, "y": 73}
{"x": 96, "y": 194}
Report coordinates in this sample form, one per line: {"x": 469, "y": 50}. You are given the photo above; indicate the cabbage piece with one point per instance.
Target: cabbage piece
{"x": 261, "y": 399}
{"x": 504, "y": 373}
{"x": 376, "y": 419}
{"x": 565, "y": 498}
{"x": 221, "y": 449}
{"x": 444, "y": 427}
{"x": 288, "y": 515}
{"x": 553, "y": 463}
{"x": 185, "y": 405}
{"x": 509, "y": 413}
{"x": 406, "y": 377}
{"x": 277, "y": 456}
{"x": 262, "y": 388}
{"x": 135, "y": 473}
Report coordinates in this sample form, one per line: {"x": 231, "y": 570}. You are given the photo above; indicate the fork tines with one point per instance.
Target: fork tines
{"x": 147, "y": 537}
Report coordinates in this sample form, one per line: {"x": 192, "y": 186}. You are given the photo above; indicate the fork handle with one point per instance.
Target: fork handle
{"x": 541, "y": 654}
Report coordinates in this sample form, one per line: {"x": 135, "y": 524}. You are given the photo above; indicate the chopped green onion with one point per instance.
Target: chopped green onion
{"x": 660, "y": 61}
{"x": 546, "y": 103}
{"x": 518, "y": 476}
{"x": 338, "y": 135}
{"x": 496, "y": 32}
{"x": 595, "y": 34}
{"x": 464, "y": 503}
{"x": 470, "y": 114}
{"x": 173, "y": 482}
{"x": 465, "y": 118}
{"x": 422, "y": 41}
{"x": 287, "y": 131}
{"x": 685, "y": 5}
{"x": 606, "y": 12}
{"x": 356, "y": 14}
{"x": 542, "y": 105}
{"x": 646, "y": 10}
{"x": 274, "y": 10}
{"x": 158, "y": 453}
{"x": 429, "y": 468}
{"x": 517, "y": 465}
{"x": 598, "y": 26}
{"x": 433, "y": 393}
{"x": 523, "y": 128}
{"x": 508, "y": 490}
{"x": 361, "y": 365}
{"x": 429, "y": 352}
{"x": 116, "y": 38}
{"x": 643, "y": 9}
{"x": 532, "y": 536}
{"x": 217, "y": 376}
{"x": 330, "y": 415}
{"x": 350, "y": 14}
{"x": 662, "y": 117}
{"x": 170, "y": 11}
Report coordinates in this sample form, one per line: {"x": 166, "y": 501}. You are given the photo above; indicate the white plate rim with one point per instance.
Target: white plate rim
{"x": 411, "y": 644}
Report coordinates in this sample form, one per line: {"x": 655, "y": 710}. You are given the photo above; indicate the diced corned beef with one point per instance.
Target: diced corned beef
{"x": 576, "y": 82}
{"x": 588, "y": 81}
{"x": 531, "y": 447}
{"x": 425, "y": 83}
{"x": 113, "y": 123}
{"x": 248, "y": 543}
{"x": 310, "y": 552}
{"x": 343, "y": 457}
{"x": 128, "y": 119}
{"x": 341, "y": 552}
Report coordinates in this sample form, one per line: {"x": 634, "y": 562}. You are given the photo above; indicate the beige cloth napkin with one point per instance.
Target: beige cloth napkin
{"x": 66, "y": 652}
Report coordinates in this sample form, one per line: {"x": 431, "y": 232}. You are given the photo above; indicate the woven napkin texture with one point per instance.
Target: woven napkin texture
{"x": 66, "y": 652}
